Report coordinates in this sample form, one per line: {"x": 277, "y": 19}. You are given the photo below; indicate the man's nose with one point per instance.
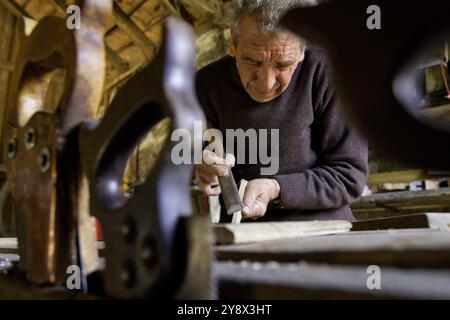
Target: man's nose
{"x": 266, "y": 79}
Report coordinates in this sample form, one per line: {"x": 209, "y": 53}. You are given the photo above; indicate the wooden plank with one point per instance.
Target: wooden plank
{"x": 135, "y": 56}
{"x": 154, "y": 33}
{"x": 7, "y": 66}
{"x": 272, "y": 280}
{"x": 421, "y": 220}
{"x": 8, "y": 245}
{"x": 149, "y": 13}
{"x": 201, "y": 8}
{"x": 59, "y": 7}
{"x": 136, "y": 35}
{"x": 401, "y": 248}
{"x": 122, "y": 78}
{"x": 117, "y": 62}
{"x": 13, "y": 32}
{"x": 6, "y": 50}
{"x": 3, "y": 12}
{"x": 130, "y": 6}
{"x": 439, "y": 113}
{"x": 170, "y": 8}
{"x": 8, "y": 23}
{"x": 117, "y": 39}
{"x": 436, "y": 200}
{"x": 14, "y": 8}
{"x": 38, "y": 9}
{"x": 22, "y": 3}
{"x": 263, "y": 231}
{"x": 7, "y": 214}
{"x": 17, "y": 288}
{"x": 209, "y": 46}
{"x": 398, "y": 176}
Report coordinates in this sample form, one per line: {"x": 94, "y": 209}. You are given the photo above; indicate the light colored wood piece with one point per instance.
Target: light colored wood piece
{"x": 400, "y": 203}
{"x": 432, "y": 220}
{"x": 403, "y": 176}
{"x": 237, "y": 216}
{"x": 265, "y": 231}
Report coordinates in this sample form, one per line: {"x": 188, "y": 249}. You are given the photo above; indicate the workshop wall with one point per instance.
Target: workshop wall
{"x": 132, "y": 41}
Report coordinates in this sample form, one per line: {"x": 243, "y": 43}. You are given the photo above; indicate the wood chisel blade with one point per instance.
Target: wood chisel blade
{"x": 230, "y": 193}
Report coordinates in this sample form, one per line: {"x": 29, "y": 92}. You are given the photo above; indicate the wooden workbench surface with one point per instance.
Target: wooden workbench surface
{"x": 401, "y": 248}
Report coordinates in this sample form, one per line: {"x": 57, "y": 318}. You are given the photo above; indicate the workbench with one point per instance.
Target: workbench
{"x": 414, "y": 263}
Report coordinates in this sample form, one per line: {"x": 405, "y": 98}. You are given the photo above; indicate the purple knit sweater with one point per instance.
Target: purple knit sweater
{"x": 322, "y": 160}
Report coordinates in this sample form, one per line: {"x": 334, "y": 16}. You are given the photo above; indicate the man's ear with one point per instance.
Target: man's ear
{"x": 302, "y": 56}
{"x": 232, "y": 46}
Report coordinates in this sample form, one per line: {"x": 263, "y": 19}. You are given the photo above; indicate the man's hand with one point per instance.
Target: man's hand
{"x": 258, "y": 194}
{"x": 212, "y": 166}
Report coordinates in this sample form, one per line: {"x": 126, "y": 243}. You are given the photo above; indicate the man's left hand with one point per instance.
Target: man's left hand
{"x": 258, "y": 194}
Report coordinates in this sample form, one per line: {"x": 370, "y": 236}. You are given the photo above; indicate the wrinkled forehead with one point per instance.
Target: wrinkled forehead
{"x": 251, "y": 36}
{"x": 273, "y": 47}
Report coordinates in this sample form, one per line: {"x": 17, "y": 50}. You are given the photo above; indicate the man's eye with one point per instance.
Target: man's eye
{"x": 283, "y": 67}
{"x": 253, "y": 63}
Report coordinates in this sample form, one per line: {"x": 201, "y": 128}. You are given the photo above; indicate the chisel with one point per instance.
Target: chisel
{"x": 230, "y": 193}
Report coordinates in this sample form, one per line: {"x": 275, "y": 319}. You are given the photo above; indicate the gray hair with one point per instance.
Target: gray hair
{"x": 268, "y": 12}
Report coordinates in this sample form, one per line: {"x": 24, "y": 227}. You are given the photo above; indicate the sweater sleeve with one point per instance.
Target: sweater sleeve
{"x": 341, "y": 171}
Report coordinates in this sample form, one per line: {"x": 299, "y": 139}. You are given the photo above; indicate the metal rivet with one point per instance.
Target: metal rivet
{"x": 12, "y": 148}
{"x": 124, "y": 276}
{"x": 44, "y": 160}
{"x": 128, "y": 229}
{"x": 148, "y": 252}
{"x": 127, "y": 275}
{"x": 30, "y": 139}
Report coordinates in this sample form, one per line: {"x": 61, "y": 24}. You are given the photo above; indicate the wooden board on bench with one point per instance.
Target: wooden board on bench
{"x": 430, "y": 220}
{"x": 248, "y": 232}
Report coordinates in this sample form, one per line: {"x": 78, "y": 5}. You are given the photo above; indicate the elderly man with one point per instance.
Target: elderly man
{"x": 273, "y": 80}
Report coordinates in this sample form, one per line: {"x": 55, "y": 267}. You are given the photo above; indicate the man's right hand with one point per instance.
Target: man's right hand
{"x": 212, "y": 167}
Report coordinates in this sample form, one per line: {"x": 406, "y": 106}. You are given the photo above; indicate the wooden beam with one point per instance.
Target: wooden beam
{"x": 3, "y": 13}
{"x": 117, "y": 62}
{"x": 9, "y": 50}
{"x": 7, "y": 66}
{"x": 122, "y": 78}
{"x": 6, "y": 48}
{"x": 14, "y": 8}
{"x": 201, "y": 8}
{"x": 130, "y": 7}
{"x": 60, "y": 8}
{"x": 137, "y": 36}
{"x": 113, "y": 27}
{"x": 170, "y": 8}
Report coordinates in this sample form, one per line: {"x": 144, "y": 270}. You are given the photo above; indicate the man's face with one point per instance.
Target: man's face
{"x": 266, "y": 62}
